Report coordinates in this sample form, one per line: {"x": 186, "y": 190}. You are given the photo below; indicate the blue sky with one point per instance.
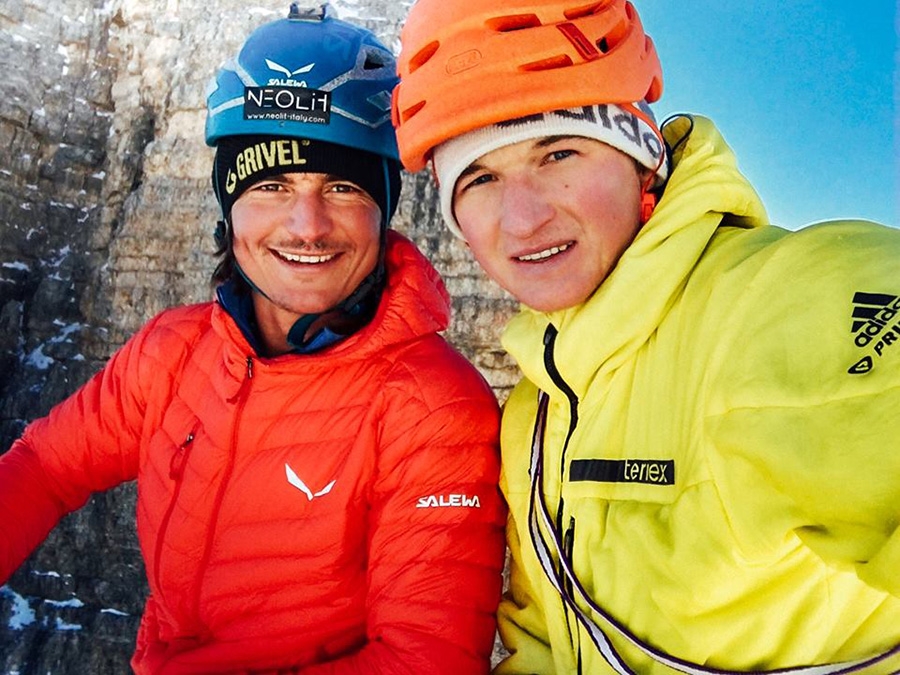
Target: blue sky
{"x": 805, "y": 92}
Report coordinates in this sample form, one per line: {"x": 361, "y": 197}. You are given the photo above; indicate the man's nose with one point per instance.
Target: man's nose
{"x": 308, "y": 218}
{"x": 524, "y": 207}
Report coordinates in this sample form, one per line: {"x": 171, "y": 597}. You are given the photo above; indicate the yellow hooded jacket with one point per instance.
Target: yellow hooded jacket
{"x": 718, "y": 458}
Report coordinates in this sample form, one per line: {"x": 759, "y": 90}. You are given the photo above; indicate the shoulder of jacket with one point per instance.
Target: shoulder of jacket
{"x": 431, "y": 370}
{"x": 776, "y": 245}
{"x": 176, "y": 329}
{"x": 190, "y": 313}
{"x": 815, "y": 262}
{"x": 432, "y": 400}
{"x": 797, "y": 310}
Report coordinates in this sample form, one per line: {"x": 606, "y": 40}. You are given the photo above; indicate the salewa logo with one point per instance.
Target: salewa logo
{"x": 288, "y": 80}
{"x": 874, "y": 324}
{"x": 295, "y": 480}
{"x": 457, "y": 501}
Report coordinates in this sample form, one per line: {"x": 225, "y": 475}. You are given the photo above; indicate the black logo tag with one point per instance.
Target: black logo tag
{"x": 875, "y": 327}
{"x": 649, "y": 471}
{"x": 292, "y": 104}
{"x": 861, "y": 367}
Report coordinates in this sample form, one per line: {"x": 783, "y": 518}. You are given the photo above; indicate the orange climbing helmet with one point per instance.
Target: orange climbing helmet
{"x": 464, "y": 65}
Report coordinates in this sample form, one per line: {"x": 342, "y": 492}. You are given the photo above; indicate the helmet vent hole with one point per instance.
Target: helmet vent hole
{"x": 587, "y": 10}
{"x": 423, "y": 56}
{"x": 603, "y": 45}
{"x": 373, "y": 62}
{"x": 554, "y": 62}
{"x": 411, "y": 112}
{"x": 508, "y": 24}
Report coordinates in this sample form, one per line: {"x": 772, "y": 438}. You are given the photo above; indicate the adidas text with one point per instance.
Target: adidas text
{"x": 875, "y": 327}
{"x": 458, "y": 501}
{"x": 872, "y": 314}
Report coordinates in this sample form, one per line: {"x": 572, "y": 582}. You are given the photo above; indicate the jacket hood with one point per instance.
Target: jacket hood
{"x": 416, "y": 301}
{"x": 705, "y": 190}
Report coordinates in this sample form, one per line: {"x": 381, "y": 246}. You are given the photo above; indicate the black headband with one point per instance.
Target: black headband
{"x": 242, "y": 161}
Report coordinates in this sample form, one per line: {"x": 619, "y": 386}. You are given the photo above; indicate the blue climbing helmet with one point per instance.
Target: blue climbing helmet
{"x": 310, "y": 76}
{"x": 314, "y": 78}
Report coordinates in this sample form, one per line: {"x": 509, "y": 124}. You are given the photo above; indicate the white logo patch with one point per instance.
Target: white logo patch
{"x": 289, "y": 74}
{"x": 295, "y": 480}
{"x": 455, "y": 501}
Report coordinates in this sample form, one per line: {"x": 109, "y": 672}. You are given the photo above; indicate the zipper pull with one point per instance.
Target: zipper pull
{"x": 179, "y": 458}
{"x": 550, "y": 334}
{"x": 244, "y": 383}
{"x": 569, "y": 539}
{"x": 568, "y": 550}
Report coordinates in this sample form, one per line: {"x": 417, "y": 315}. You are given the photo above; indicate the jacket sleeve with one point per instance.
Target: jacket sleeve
{"x": 436, "y": 546}
{"x": 522, "y": 623}
{"x": 88, "y": 443}
{"x": 828, "y": 472}
{"x": 522, "y": 619}
{"x": 805, "y": 402}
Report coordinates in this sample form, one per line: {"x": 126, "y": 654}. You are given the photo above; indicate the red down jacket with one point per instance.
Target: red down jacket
{"x": 328, "y": 513}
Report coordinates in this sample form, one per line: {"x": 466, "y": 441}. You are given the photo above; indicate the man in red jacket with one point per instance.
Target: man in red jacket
{"x": 316, "y": 467}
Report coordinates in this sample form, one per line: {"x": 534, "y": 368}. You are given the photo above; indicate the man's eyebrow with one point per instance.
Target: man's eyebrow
{"x": 543, "y": 142}
{"x": 474, "y": 167}
{"x": 274, "y": 178}
{"x": 285, "y": 178}
{"x": 550, "y": 140}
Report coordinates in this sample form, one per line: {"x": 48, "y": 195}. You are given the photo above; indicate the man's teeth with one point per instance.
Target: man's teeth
{"x": 309, "y": 259}
{"x": 546, "y": 253}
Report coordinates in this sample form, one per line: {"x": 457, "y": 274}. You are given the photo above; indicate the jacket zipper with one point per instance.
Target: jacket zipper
{"x": 239, "y": 400}
{"x": 556, "y": 377}
{"x": 176, "y": 473}
{"x": 569, "y": 549}
{"x": 550, "y": 365}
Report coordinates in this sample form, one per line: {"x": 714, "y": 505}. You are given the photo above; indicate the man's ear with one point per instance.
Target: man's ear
{"x": 646, "y": 175}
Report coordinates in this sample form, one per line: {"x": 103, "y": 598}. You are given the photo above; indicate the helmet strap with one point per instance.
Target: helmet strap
{"x": 220, "y": 234}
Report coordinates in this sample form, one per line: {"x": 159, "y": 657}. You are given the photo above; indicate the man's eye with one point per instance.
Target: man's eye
{"x": 480, "y": 179}
{"x": 345, "y": 187}
{"x": 558, "y": 155}
{"x": 267, "y": 187}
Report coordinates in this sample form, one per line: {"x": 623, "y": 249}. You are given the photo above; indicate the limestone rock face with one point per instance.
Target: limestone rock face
{"x": 106, "y": 218}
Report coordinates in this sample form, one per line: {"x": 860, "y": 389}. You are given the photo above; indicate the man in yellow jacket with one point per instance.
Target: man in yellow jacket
{"x": 702, "y": 459}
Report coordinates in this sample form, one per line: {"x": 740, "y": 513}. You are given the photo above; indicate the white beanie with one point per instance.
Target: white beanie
{"x": 612, "y": 124}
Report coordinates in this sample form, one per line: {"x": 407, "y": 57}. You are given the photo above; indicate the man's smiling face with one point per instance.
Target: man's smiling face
{"x": 549, "y": 218}
{"x": 306, "y": 240}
